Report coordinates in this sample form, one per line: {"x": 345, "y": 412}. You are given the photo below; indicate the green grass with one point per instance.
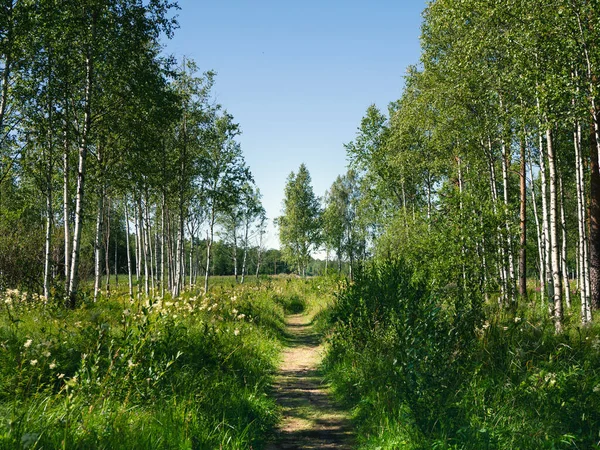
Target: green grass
{"x": 149, "y": 373}
{"x": 416, "y": 381}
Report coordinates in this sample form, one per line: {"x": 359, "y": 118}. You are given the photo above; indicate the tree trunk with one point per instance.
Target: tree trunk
{"x": 83, "y": 149}
{"x": 162, "y": 249}
{"x": 143, "y": 244}
{"x": 538, "y": 233}
{"x": 66, "y": 200}
{"x": 584, "y": 272}
{"x": 245, "y": 250}
{"x": 49, "y": 214}
{"x": 594, "y": 232}
{"x": 509, "y": 250}
{"x": 149, "y": 243}
{"x": 556, "y": 272}
{"x": 116, "y": 263}
{"x": 235, "y": 250}
{"x": 549, "y": 287}
{"x": 178, "y": 259}
{"x": 209, "y": 241}
{"x": 97, "y": 245}
{"x": 107, "y": 247}
{"x": 138, "y": 271}
{"x": 563, "y": 256}
{"x": 129, "y": 274}
{"x": 523, "y": 224}
{"x": 500, "y": 248}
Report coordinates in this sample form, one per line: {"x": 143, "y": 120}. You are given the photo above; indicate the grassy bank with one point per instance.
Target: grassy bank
{"x": 425, "y": 369}
{"x": 148, "y": 373}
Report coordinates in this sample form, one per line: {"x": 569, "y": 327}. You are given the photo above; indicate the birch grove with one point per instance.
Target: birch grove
{"x": 128, "y": 153}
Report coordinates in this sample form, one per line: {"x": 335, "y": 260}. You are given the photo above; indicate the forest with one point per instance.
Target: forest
{"x": 456, "y": 303}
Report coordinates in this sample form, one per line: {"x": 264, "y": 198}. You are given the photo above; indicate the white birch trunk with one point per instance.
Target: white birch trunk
{"x": 209, "y": 241}
{"x": 49, "y": 214}
{"x": 97, "y": 245}
{"x": 509, "y": 251}
{"x": 129, "y": 274}
{"x": 538, "y": 234}
{"x": 548, "y": 283}
{"x": 583, "y": 256}
{"x": 83, "y": 149}
{"x": 149, "y": 252}
{"x": 107, "y": 247}
{"x": 556, "y": 272}
{"x": 66, "y": 202}
{"x": 500, "y": 249}
{"x": 178, "y": 263}
{"x": 143, "y": 244}
{"x": 247, "y": 227}
{"x": 162, "y": 249}
{"x": 563, "y": 256}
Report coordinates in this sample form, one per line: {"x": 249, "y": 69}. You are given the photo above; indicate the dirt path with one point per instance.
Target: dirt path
{"x": 311, "y": 420}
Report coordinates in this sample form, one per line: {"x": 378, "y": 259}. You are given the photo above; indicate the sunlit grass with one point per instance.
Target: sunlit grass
{"x": 517, "y": 385}
{"x": 141, "y": 373}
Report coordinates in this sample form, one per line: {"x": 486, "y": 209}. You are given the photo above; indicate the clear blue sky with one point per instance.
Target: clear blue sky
{"x": 298, "y": 76}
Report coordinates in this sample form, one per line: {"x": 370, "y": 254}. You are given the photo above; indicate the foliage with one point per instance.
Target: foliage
{"x": 300, "y": 224}
{"x": 419, "y": 376}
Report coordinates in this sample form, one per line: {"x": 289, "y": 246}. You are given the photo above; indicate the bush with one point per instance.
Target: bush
{"x": 423, "y": 370}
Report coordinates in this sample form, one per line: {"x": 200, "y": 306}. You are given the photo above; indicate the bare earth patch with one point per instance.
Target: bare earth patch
{"x": 311, "y": 419}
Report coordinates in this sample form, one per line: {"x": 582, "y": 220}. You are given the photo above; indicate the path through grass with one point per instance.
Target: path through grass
{"x": 311, "y": 419}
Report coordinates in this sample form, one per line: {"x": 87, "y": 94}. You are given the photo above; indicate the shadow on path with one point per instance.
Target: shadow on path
{"x": 311, "y": 419}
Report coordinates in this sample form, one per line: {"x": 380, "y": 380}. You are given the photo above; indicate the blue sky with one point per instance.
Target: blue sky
{"x": 298, "y": 76}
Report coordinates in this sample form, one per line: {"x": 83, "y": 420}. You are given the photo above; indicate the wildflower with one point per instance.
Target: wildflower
{"x": 130, "y": 363}
{"x": 47, "y": 354}
{"x": 60, "y": 376}
{"x": 27, "y": 343}
{"x": 241, "y": 316}
{"x": 234, "y": 311}
{"x": 52, "y": 365}
{"x": 33, "y": 362}
{"x": 517, "y": 319}
{"x": 236, "y": 332}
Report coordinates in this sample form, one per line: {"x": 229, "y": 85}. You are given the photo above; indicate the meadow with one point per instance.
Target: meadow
{"x": 142, "y": 373}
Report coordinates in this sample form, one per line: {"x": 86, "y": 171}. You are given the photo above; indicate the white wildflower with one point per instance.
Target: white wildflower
{"x": 33, "y": 362}
{"x": 236, "y": 332}
{"x": 28, "y": 343}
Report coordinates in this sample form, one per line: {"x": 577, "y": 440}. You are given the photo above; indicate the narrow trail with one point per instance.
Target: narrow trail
{"x": 311, "y": 419}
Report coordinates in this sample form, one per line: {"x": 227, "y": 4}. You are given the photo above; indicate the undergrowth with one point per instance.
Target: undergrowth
{"x": 149, "y": 373}
{"x": 422, "y": 372}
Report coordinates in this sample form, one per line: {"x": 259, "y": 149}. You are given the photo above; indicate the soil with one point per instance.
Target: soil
{"x": 311, "y": 418}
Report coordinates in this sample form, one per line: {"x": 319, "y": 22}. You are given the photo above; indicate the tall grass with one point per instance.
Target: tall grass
{"x": 152, "y": 373}
{"x": 420, "y": 371}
